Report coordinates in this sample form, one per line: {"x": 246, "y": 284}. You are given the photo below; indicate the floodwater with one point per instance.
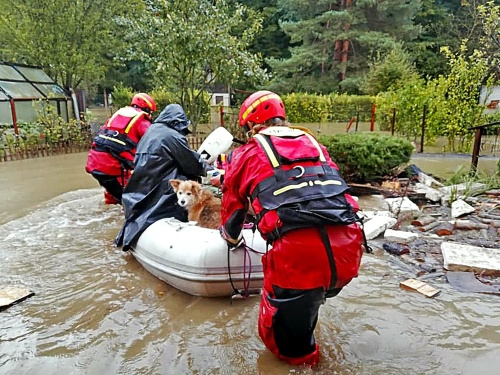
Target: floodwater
{"x": 97, "y": 311}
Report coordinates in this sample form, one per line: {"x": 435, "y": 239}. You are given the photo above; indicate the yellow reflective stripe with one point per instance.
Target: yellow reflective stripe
{"x": 328, "y": 182}
{"x": 290, "y": 187}
{"x": 112, "y": 139}
{"x": 315, "y": 143}
{"x": 305, "y": 184}
{"x": 150, "y": 105}
{"x": 270, "y": 154}
{"x": 132, "y": 122}
{"x": 257, "y": 102}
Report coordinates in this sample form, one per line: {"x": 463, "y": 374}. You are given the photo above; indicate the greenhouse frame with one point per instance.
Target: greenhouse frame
{"x": 21, "y": 86}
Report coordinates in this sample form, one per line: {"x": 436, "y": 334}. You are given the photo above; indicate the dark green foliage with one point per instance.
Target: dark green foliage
{"x": 363, "y": 157}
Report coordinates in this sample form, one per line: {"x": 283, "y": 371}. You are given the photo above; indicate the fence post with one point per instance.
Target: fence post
{"x": 424, "y": 115}
{"x": 357, "y": 121}
{"x": 372, "y": 122}
{"x": 221, "y": 115}
{"x": 393, "y": 121}
{"x": 14, "y": 116}
{"x": 475, "y": 151}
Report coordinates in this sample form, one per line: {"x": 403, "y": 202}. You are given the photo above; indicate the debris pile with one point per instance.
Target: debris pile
{"x": 435, "y": 231}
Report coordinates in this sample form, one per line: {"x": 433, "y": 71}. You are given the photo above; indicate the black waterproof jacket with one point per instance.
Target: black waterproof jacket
{"x": 162, "y": 154}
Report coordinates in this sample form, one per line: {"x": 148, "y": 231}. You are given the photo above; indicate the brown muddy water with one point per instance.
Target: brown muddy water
{"x": 97, "y": 311}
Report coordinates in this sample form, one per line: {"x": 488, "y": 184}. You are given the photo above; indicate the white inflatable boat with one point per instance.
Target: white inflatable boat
{"x": 195, "y": 259}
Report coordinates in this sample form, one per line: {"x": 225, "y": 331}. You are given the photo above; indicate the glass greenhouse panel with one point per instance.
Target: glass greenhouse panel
{"x": 3, "y": 96}
{"x": 8, "y": 72}
{"x": 5, "y": 114}
{"x": 25, "y": 112}
{"x": 35, "y": 75}
{"x": 64, "y": 110}
{"x": 19, "y": 90}
{"x": 51, "y": 90}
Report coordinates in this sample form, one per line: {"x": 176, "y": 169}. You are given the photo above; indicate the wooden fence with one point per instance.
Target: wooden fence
{"x": 20, "y": 150}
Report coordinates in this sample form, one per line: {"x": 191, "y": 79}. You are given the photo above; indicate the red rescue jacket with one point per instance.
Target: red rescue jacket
{"x": 291, "y": 182}
{"x": 113, "y": 149}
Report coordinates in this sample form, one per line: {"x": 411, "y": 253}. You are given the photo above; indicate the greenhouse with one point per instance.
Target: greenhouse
{"x": 21, "y": 86}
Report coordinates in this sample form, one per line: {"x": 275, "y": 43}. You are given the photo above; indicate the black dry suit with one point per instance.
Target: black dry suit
{"x": 163, "y": 153}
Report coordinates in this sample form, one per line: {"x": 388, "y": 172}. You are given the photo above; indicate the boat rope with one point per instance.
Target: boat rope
{"x": 245, "y": 292}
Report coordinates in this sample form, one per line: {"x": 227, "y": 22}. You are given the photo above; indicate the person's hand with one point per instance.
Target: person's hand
{"x": 232, "y": 243}
{"x": 216, "y": 180}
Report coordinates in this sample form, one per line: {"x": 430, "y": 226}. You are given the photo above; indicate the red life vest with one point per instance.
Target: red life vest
{"x": 304, "y": 191}
{"x": 116, "y": 138}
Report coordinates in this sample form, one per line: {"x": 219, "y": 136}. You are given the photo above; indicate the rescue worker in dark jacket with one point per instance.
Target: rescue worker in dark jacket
{"x": 303, "y": 211}
{"x": 163, "y": 154}
{"x": 111, "y": 157}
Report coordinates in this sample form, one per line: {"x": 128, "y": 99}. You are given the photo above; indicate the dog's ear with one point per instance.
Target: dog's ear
{"x": 175, "y": 184}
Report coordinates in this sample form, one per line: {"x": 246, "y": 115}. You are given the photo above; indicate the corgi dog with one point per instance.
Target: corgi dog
{"x": 201, "y": 204}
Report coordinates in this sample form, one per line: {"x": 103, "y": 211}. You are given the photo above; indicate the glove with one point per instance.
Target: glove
{"x": 232, "y": 243}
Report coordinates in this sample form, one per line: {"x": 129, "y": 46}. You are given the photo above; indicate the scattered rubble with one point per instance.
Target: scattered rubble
{"x": 434, "y": 231}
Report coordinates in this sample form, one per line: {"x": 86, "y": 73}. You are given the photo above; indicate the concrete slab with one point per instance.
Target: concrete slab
{"x": 378, "y": 224}
{"x": 399, "y": 205}
{"x": 10, "y": 295}
{"x": 460, "y": 208}
{"x": 399, "y": 236}
{"x": 463, "y": 257}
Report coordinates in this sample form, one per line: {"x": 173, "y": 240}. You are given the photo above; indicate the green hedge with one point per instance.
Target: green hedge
{"x": 312, "y": 108}
{"x": 364, "y": 157}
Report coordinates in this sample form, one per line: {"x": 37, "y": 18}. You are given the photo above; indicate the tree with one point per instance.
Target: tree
{"x": 74, "y": 41}
{"x": 335, "y": 42}
{"x": 439, "y": 28}
{"x": 390, "y": 72}
{"x": 195, "y": 45}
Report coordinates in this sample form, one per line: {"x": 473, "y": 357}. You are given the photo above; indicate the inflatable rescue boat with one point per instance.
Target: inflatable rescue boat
{"x": 197, "y": 261}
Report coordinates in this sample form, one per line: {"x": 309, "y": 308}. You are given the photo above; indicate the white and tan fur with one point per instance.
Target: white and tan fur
{"x": 202, "y": 206}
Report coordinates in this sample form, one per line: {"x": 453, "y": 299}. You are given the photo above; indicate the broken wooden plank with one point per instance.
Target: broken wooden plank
{"x": 420, "y": 287}
{"x": 10, "y": 294}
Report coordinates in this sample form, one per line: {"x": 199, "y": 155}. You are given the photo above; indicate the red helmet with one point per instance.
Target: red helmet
{"x": 260, "y": 107}
{"x": 144, "y": 101}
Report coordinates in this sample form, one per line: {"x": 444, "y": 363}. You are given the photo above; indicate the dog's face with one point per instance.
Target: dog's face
{"x": 186, "y": 191}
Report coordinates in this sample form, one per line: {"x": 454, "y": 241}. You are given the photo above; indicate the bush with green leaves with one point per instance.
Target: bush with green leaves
{"x": 364, "y": 157}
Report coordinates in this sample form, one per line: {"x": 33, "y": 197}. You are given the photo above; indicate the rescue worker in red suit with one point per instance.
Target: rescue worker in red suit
{"x": 305, "y": 214}
{"x": 111, "y": 157}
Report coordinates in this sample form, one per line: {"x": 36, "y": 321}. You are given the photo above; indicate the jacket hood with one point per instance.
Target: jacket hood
{"x": 174, "y": 117}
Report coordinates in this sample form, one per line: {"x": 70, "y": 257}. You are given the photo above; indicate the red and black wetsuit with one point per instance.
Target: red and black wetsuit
{"x": 111, "y": 157}
{"x": 304, "y": 212}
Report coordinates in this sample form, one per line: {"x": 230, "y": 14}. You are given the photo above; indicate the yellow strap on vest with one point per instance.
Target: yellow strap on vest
{"x": 133, "y": 121}
{"x": 126, "y": 112}
{"x": 270, "y": 154}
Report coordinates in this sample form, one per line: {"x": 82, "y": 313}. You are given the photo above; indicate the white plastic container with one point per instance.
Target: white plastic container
{"x": 217, "y": 142}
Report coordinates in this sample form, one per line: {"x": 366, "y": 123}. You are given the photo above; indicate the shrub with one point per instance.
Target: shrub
{"x": 363, "y": 157}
